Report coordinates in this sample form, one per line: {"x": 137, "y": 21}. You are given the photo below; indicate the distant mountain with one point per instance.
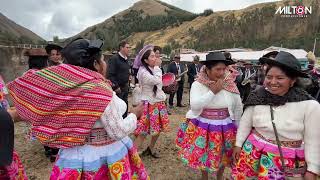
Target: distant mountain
{"x": 255, "y": 27}
{"x": 12, "y": 33}
{"x": 145, "y": 15}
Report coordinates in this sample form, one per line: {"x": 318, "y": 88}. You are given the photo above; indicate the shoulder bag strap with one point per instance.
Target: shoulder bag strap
{"x": 277, "y": 138}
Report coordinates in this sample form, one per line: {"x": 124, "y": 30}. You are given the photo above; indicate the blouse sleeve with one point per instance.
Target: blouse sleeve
{"x": 237, "y": 107}
{"x": 198, "y": 100}
{"x": 245, "y": 126}
{"x": 150, "y": 79}
{"x": 117, "y": 127}
{"x": 311, "y": 137}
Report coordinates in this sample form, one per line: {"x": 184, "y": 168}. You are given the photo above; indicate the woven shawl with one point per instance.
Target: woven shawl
{"x": 62, "y": 103}
{"x": 228, "y": 82}
{"x": 262, "y": 96}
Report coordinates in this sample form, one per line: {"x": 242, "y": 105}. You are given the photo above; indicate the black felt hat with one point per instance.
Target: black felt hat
{"x": 50, "y": 47}
{"x": 80, "y": 50}
{"x": 217, "y": 57}
{"x": 269, "y": 55}
{"x": 287, "y": 61}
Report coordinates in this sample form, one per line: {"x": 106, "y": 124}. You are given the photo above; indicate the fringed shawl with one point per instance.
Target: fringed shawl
{"x": 228, "y": 83}
{"x": 62, "y": 103}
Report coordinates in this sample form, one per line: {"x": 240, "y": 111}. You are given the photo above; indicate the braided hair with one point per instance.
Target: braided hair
{"x": 145, "y": 57}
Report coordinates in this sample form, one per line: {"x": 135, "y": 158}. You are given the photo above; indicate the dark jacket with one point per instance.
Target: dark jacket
{"x": 192, "y": 71}
{"x": 172, "y": 68}
{"x": 118, "y": 71}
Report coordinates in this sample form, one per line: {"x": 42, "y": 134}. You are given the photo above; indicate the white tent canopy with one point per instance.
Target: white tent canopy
{"x": 189, "y": 57}
{"x": 249, "y": 55}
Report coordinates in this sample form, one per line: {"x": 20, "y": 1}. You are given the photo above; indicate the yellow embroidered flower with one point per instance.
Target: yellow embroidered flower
{"x": 136, "y": 160}
{"x": 116, "y": 169}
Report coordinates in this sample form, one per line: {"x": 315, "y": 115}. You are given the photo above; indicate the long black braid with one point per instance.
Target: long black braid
{"x": 144, "y": 57}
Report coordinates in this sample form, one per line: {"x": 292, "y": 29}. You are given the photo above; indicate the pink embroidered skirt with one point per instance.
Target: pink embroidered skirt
{"x": 155, "y": 119}
{"x": 14, "y": 171}
{"x": 260, "y": 159}
{"x": 206, "y": 143}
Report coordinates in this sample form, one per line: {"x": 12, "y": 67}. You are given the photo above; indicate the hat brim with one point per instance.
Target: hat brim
{"x": 262, "y": 60}
{"x": 50, "y": 47}
{"x": 226, "y": 62}
{"x": 277, "y": 63}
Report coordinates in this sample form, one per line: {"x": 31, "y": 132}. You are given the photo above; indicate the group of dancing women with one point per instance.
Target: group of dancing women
{"x": 72, "y": 107}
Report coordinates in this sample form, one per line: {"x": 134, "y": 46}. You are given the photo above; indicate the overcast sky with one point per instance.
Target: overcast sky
{"x": 62, "y": 18}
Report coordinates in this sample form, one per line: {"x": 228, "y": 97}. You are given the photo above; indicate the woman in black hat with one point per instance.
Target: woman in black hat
{"x": 73, "y": 107}
{"x": 54, "y": 59}
{"x": 206, "y": 139}
{"x": 278, "y": 135}
{"x": 53, "y": 51}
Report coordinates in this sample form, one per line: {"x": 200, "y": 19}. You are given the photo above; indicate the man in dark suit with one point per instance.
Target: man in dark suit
{"x": 177, "y": 68}
{"x": 247, "y": 73}
{"x": 193, "y": 70}
{"x": 119, "y": 71}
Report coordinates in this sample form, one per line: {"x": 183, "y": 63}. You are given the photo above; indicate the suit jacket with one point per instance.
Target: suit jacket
{"x": 192, "y": 71}
{"x": 118, "y": 71}
{"x": 172, "y": 68}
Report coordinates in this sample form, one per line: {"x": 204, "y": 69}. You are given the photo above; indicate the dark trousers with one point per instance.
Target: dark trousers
{"x": 190, "y": 84}
{"x": 244, "y": 91}
{"x": 179, "y": 95}
{"x": 50, "y": 151}
{"x": 124, "y": 96}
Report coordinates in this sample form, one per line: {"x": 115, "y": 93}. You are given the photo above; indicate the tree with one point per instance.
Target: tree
{"x": 167, "y": 49}
{"x": 25, "y": 40}
{"x": 55, "y": 39}
{"x": 139, "y": 45}
{"x": 207, "y": 12}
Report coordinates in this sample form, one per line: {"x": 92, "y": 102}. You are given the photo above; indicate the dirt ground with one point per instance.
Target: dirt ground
{"x": 168, "y": 167}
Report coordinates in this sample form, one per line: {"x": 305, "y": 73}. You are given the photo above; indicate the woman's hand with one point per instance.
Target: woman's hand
{"x": 310, "y": 176}
{"x": 14, "y": 115}
{"x": 138, "y": 110}
{"x": 217, "y": 86}
{"x": 158, "y": 62}
{"x": 236, "y": 154}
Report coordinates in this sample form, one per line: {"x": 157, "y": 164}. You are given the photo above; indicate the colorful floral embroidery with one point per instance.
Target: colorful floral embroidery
{"x": 256, "y": 163}
{"x": 130, "y": 167}
{"x": 205, "y": 148}
{"x": 155, "y": 119}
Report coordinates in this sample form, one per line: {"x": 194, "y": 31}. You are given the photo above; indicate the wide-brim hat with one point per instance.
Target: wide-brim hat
{"x": 287, "y": 61}
{"x": 217, "y": 57}
{"x": 50, "y": 47}
{"x": 269, "y": 55}
{"x": 138, "y": 60}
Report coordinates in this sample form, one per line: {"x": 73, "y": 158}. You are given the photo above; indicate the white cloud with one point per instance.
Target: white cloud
{"x": 48, "y": 18}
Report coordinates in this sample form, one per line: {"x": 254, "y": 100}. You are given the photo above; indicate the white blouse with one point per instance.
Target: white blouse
{"x": 146, "y": 83}
{"x": 201, "y": 97}
{"x": 112, "y": 121}
{"x": 294, "y": 121}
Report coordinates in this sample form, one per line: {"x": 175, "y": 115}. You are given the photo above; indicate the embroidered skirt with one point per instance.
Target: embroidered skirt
{"x": 206, "y": 144}
{"x": 14, "y": 171}
{"x": 118, "y": 160}
{"x": 260, "y": 159}
{"x": 155, "y": 119}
